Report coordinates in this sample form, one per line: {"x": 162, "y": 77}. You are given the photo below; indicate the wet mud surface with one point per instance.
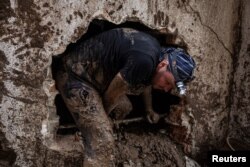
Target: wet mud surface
{"x": 146, "y": 145}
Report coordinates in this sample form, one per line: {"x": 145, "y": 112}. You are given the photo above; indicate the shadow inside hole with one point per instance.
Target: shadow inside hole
{"x": 67, "y": 124}
{"x": 161, "y": 104}
{"x": 7, "y": 157}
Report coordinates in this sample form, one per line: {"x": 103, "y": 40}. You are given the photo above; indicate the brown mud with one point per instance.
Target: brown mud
{"x": 142, "y": 145}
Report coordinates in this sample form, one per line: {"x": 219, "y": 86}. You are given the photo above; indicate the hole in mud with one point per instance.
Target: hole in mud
{"x": 161, "y": 101}
{"x": 67, "y": 125}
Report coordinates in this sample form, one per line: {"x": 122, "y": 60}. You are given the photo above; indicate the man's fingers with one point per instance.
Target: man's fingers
{"x": 153, "y": 118}
{"x": 149, "y": 119}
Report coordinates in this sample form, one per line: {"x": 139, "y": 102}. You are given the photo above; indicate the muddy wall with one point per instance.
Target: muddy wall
{"x": 240, "y": 111}
{"x": 33, "y": 31}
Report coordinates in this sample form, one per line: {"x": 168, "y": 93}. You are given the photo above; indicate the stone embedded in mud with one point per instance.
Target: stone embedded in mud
{"x": 190, "y": 162}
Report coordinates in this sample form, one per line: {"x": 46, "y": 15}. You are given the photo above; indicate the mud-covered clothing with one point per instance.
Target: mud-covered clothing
{"x": 85, "y": 105}
{"x": 90, "y": 67}
{"x": 132, "y": 53}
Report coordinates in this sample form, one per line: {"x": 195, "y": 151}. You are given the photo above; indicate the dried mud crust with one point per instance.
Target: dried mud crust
{"x": 147, "y": 149}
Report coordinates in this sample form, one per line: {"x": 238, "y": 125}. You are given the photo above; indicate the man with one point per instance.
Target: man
{"x": 99, "y": 73}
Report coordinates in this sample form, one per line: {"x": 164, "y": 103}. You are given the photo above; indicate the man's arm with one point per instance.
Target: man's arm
{"x": 152, "y": 116}
{"x": 116, "y": 88}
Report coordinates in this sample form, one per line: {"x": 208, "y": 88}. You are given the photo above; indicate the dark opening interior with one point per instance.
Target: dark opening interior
{"x": 67, "y": 124}
{"x": 161, "y": 101}
{"x": 99, "y": 26}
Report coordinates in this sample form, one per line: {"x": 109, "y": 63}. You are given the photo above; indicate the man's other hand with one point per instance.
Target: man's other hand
{"x": 152, "y": 117}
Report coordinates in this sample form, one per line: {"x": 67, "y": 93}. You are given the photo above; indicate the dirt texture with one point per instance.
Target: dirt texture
{"x": 240, "y": 109}
{"x": 147, "y": 149}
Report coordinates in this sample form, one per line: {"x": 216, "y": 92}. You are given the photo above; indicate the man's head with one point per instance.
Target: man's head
{"x": 174, "y": 70}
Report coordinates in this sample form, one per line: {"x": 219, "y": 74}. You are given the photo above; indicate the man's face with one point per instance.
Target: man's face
{"x": 163, "y": 79}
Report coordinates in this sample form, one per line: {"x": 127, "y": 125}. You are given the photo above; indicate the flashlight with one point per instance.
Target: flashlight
{"x": 181, "y": 88}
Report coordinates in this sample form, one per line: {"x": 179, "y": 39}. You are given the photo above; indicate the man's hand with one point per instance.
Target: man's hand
{"x": 152, "y": 117}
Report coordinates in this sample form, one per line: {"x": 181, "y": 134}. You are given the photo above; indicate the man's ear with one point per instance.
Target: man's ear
{"x": 163, "y": 63}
